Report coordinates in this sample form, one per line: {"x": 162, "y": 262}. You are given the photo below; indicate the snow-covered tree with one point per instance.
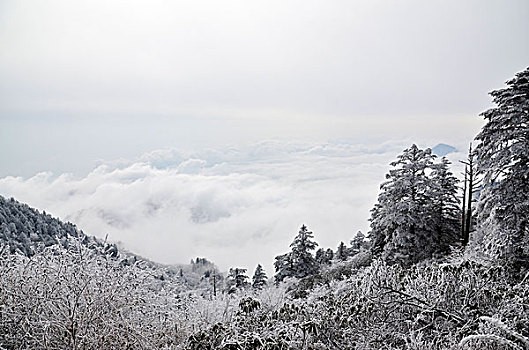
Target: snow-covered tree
{"x": 259, "y": 279}
{"x": 214, "y": 279}
{"x": 299, "y": 262}
{"x": 284, "y": 267}
{"x": 324, "y": 257}
{"x": 236, "y": 279}
{"x": 341, "y": 252}
{"x": 445, "y": 203}
{"x": 503, "y": 161}
{"x": 329, "y": 254}
{"x": 302, "y": 247}
{"x": 26, "y": 231}
{"x": 408, "y": 222}
{"x": 358, "y": 243}
{"x": 77, "y": 298}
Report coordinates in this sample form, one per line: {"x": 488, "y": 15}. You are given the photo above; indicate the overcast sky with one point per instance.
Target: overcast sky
{"x": 85, "y": 83}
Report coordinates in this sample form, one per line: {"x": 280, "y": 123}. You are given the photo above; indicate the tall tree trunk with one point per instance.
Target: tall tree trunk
{"x": 215, "y": 283}
{"x": 467, "y": 197}
{"x": 464, "y": 237}
{"x": 468, "y": 215}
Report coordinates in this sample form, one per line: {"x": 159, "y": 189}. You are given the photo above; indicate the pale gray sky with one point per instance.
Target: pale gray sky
{"x": 88, "y": 80}
{"x": 174, "y": 97}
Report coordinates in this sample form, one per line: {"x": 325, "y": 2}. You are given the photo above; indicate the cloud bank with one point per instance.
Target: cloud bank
{"x": 235, "y": 206}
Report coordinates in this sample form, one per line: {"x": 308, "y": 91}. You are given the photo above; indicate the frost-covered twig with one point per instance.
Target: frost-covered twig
{"x": 441, "y": 312}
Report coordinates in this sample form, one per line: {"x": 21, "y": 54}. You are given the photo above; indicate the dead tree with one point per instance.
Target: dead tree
{"x": 469, "y": 189}
{"x": 464, "y": 237}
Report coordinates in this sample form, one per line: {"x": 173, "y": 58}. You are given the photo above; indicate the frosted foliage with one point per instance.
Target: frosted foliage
{"x": 503, "y": 163}
{"x": 236, "y": 279}
{"x": 25, "y": 230}
{"x": 416, "y": 209}
{"x": 299, "y": 262}
{"x": 445, "y": 203}
{"x": 79, "y": 299}
{"x": 259, "y": 279}
{"x": 381, "y": 307}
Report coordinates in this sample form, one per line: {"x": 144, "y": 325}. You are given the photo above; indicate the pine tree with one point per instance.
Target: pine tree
{"x": 302, "y": 247}
{"x": 410, "y": 221}
{"x": 446, "y": 206}
{"x": 320, "y": 256}
{"x": 284, "y": 267}
{"x": 259, "y": 279}
{"x": 299, "y": 262}
{"x": 237, "y": 279}
{"x": 323, "y": 257}
{"x": 502, "y": 158}
{"x": 341, "y": 252}
{"x": 358, "y": 243}
{"x": 329, "y": 255}
{"x": 241, "y": 279}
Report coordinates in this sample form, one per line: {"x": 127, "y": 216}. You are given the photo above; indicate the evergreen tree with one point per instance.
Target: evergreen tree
{"x": 241, "y": 279}
{"x": 408, "y": 223}
{"x": 329, "y": 255}
{"x": 502, "y": 158}
{"x": 259, "y": 279}
{"x": 447, "y": 214}
{"x": 284, "y": 267}
{"x": 358, "y": 243}
{"x": 237, "y": 279}
{"x": 322, "y": 256}
{"x": 299, "y": 262}
{"x": 341, "y": 252}
{"x": 302, "y": 258}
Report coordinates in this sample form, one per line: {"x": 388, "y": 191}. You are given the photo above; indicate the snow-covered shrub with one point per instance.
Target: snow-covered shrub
{"x": 80, "y": 299}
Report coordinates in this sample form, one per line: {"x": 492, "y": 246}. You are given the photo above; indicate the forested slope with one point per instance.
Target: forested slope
{"x": 25, "y": 230}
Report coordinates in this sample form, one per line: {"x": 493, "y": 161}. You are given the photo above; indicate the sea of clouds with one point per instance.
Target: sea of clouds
{"x": 235, "y": 206}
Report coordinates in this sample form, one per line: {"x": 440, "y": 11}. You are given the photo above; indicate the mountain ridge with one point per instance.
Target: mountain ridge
{"x": 442, "y": 149}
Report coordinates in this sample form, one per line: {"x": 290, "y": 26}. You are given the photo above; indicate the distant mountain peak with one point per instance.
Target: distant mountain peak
{"x": 443, "y": 149}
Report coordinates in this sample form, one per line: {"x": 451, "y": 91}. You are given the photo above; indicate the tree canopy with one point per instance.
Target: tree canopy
{"x": 503, "y": 162}
{"x": 415, "y": 213}
{"x": 299, "y": 262}
{"x": 259, "y": 279}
